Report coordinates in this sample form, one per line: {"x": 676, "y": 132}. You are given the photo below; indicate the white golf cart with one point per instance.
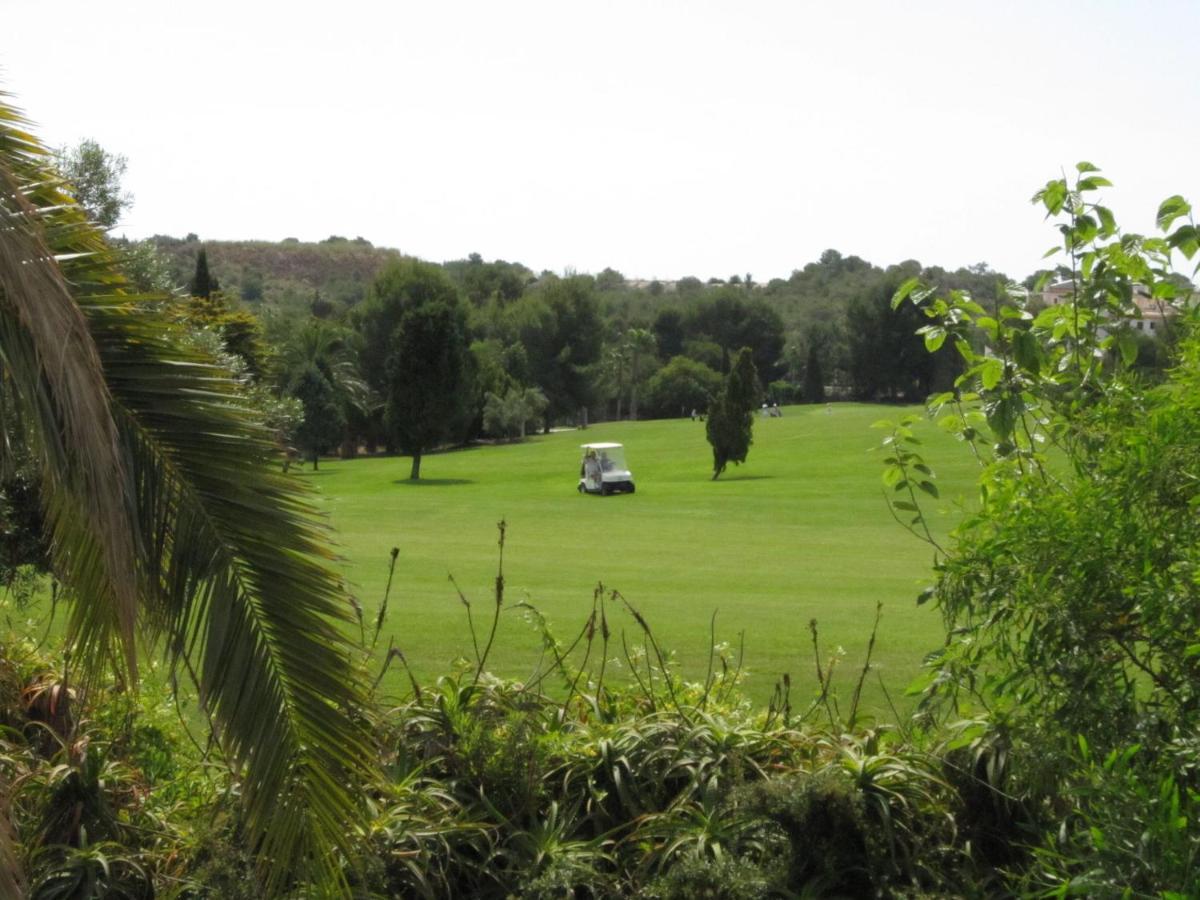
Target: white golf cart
{"x": 603, "y": 471}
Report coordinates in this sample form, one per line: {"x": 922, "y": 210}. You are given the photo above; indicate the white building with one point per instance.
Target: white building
{"x": 1153, "y": 314}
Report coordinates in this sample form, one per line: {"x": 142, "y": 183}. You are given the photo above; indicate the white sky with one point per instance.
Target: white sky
{"x": 660, "y": 138}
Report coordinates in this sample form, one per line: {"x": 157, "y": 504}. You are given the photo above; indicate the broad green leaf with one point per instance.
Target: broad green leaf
{"x": 990, "y": 373}
{"x": 1083, "y": 167}
{"x": 904, "y": 290}
{"x": 1128, "y": 346}
{"x": 1048, "y": 317}
{"x": 1087, "y": 262}
{"x": 1171, "y": 209}
{"x": 1164, "y": 290}
{"x": 1094, "y": 182}
{"x": 1001, "y": 417}
{"x": 1185, "y": 239}
{"x": 1027, "y": 352}
{"x": 920, "y": 684}
{"x": 1052, "y": 196}
{"x": 968, "y": 305}
{"x": 934, "y": 338}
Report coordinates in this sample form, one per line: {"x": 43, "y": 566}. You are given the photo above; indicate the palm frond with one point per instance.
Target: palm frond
{"x": 234, "y": 566}
{"x": 56, "y": 385}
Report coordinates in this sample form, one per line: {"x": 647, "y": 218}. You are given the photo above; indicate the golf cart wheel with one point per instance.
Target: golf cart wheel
{"x": 631, "y": 487}
{"x": 579, "y": 487}
{"x": 604, "y": 490}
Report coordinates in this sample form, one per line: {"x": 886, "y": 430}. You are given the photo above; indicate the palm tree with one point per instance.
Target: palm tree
{"x": 326, "y": 351}
{"x": 170, "y": 525}
{"x": 614, "y": 372}
{"x": 330, "y": 350}
{"x": 641, "y": 347}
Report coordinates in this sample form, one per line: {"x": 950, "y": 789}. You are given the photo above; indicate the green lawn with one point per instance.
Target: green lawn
{"x": 799, "y": 532}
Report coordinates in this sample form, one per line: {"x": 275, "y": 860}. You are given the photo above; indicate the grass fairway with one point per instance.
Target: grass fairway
{"x": 799, "y": 532}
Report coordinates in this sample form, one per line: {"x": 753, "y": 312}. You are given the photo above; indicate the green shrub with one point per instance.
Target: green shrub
{"x": 727, "y": 878}
{"x": 1071, "y": 595}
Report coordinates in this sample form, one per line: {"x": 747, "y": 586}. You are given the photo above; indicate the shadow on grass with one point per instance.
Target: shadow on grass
{"x": 743, "y": 478}
{"x": 433, "y": 482}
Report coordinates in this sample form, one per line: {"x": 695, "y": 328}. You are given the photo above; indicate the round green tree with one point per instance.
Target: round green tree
{"x": 416, "y": 355}
{"x": 680, "y": 386}
{"x": 324, "y": 420}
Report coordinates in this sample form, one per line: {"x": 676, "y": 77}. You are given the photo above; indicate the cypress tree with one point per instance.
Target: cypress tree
{"x": 742, "y": 382}
{"x": 203, "y": 284}
{"x": 730, "y": 422}
{"x": 814, "y": 378}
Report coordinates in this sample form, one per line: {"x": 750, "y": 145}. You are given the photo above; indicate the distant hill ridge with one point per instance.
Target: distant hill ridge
{"x": 288, "y": 272}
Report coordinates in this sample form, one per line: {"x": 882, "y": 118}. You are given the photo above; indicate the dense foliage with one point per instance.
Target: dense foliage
{"x": 593, "y": 778}
{"x": 1070, "y": 594}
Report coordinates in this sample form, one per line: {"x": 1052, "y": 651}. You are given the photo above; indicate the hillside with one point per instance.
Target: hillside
{"x": 287, "y": 273}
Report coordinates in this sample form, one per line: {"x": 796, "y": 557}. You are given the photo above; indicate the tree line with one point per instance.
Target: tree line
{"x": 434, "y": 354}
{"x": 343, "y": 345}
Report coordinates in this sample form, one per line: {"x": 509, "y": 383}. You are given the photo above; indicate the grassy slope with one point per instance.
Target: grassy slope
{"x": 799, "y": 532}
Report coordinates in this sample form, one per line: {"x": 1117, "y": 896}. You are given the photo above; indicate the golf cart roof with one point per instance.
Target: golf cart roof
{"x": 600, "y": 446}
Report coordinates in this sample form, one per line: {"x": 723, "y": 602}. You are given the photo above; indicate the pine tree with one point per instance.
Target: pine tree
{"x": 730, "y": 422}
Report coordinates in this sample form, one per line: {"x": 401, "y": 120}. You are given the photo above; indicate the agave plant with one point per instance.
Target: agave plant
{"x": 102, "y": 869}
{"x": 169, "y": 523}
